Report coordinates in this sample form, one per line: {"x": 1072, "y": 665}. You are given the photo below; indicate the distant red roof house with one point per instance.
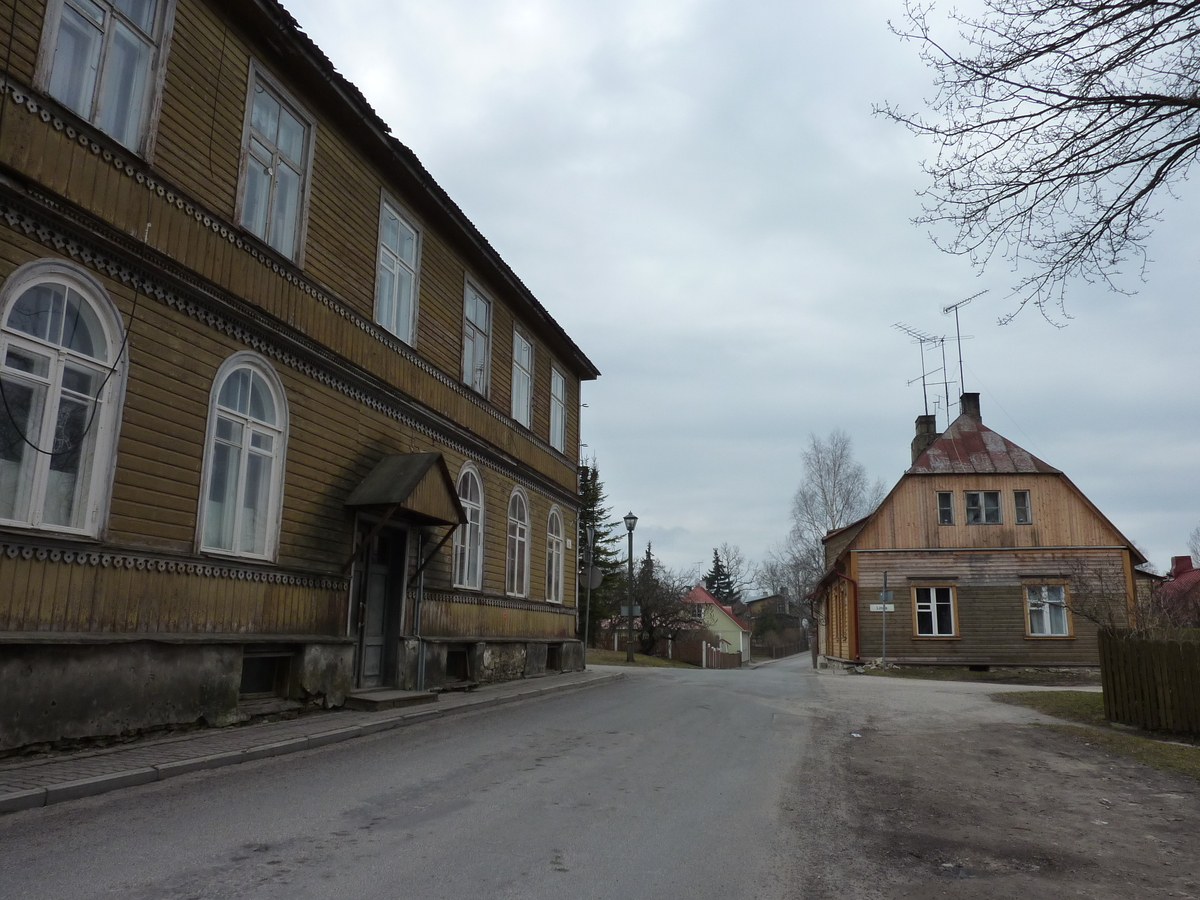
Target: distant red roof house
{"x": 1179, "y": 595}
{"x": 720, "y": 620}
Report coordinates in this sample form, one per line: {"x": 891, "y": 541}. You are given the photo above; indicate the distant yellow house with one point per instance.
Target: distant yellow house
{"x": 734, "y": 634}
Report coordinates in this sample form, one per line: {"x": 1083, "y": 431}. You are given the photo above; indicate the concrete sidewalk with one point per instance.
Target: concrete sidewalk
{"x": 28, "y": 783}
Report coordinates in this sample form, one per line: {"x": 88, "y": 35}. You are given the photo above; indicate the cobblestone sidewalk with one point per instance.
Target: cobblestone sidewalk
{"x": 26, "y": 783}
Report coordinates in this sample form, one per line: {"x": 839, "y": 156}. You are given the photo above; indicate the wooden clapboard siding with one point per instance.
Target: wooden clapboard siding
{"x": 447, "y": 618}
{"x": 1061, "y": 515}
{"x": 55, "y": 595}
{"x": 990, "y": 603}
{"x": 27, "y": 20}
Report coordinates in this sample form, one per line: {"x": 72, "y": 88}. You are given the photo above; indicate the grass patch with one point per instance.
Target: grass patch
{"x": 1041, "y": 677}
{"x": 1161, "y": 750}
{"x": 1086, "y": 707}
{"x": 598, "y": 657}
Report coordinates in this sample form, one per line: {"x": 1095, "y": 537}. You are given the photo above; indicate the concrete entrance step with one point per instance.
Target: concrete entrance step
{"x": 375, "y": 699}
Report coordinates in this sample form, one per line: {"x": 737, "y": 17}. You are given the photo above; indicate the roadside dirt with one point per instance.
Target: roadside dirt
{"x": 946, "y": 793}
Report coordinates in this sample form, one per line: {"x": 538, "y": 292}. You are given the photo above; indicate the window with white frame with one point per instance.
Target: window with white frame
{"x": 396, "y": 280}
{"x": 1047, "y": 608}
{"x": 945, "y": 502}
{"x": 558, "y": 410}
{"x": 935, "y": 611}
{"x": 477, "y": 319}
{"x": 275, "y": 175}
{"x": 983, "y": 507}
{"x": 555, "y": 554}
{"x": 522, "y": 379}
{"x": 60, "y": 382}
{"x": 243, "y": 462}
{"x": 468, "y": 537}
{"x": 1024, "y": 512}
{"x": 105, "y": 60}
{"x": 517, "y": 556}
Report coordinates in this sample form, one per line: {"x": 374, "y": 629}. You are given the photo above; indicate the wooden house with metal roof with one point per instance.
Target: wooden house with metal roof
{"x": 992, "y": 556}
{"x": 277, "y": 420}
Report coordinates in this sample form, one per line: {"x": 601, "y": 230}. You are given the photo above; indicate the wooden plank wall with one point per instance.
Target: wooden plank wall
{"x": 990, "y": 604}
{"x": 444, "y": 618}
{"x": 121, "y": 594}
{"x": 1061, "y": 517}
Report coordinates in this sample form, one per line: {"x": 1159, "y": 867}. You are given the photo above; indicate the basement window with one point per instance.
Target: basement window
{"x": 266, "y": 671}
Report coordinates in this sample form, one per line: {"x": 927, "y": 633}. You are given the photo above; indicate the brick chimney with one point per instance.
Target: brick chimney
{"x": 968, "y": 405}
{"x": 927, "y": 433}
{"x": 1179, "y": 565}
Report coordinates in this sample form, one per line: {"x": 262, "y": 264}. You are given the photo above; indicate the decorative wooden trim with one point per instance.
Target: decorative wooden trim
{"x": 100, "y": 144}
{"x": 144, "y": 562}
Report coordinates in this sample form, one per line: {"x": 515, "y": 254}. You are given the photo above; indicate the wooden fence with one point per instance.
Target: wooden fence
{"x": 1152, "y": 682}
{"x": 764, "y": 651}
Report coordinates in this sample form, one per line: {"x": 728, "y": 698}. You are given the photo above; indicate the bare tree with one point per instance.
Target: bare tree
{"x": 835, "y": 490}
{"x": 659, "y": 591}
{"x": 1057, "y": 123}
{"x": 1194, "y": 545}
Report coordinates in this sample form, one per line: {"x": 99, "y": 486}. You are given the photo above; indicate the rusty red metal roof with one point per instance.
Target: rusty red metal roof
{"x": 968, "y": 446}
{"x": 700, "y": 594}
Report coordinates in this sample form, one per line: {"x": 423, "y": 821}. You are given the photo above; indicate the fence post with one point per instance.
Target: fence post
{"x": 704, "y": 654}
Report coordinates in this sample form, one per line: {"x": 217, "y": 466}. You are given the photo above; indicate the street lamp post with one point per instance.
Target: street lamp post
{"x": 630, "y": 524}
{"x": 591, "y": 562}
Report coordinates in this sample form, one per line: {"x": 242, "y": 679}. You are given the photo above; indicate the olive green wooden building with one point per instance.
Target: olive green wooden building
{"x": 993, "y": 558}
{"x": 277, "y": 420}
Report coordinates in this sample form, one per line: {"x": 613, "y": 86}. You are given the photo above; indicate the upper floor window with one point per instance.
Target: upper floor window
{"x": 1046, "y": 605}
{"x": 554, "y": 557}
{"x": 935, "y": 611}
{"x": 522, "y": 379}
{"x": 105, "y": 61}
{"x": 945, "y": 502}
{"x": 477, "y": 321}
{"x": 468, "y": 537}
{"x": 1024, "y": 512}
{"x": 243, "y": 462}
{"x": 396, "y": 281}
{"x": 517, "y": 556}
{"x": 983, "y": 507}
{"x": 277, "y": 157}
{"x": 558, "y": 410}
{"x": 60, "y": 383}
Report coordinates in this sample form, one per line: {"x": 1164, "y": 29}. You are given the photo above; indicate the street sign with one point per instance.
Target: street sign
{"x": 637, "y": 610}
{"x": 590, "y": 577}
{"x": 879, "y": 607}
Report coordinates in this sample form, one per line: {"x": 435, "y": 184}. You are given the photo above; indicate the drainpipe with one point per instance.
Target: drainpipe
{"x": 417, "y": 614}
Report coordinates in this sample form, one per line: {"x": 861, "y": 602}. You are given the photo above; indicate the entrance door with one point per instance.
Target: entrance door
{"x": 381, "y": 606}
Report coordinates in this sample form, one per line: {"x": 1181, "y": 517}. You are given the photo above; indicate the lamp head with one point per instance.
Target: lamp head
{"x": 630, "y": 521}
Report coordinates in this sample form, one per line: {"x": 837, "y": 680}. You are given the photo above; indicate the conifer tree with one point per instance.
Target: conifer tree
{"x": 607, "y": 556}
{"x": 719, "y": 582}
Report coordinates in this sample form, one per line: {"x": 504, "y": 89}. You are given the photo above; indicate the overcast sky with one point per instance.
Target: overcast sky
{"x": 697, "y": 190}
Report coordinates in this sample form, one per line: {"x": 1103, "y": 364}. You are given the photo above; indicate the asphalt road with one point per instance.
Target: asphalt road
{"x": 670, "y": 783}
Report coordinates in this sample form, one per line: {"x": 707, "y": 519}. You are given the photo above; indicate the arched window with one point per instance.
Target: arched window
{"x": 61, "y": 383}
{"x": 468, "y": 537}
{"x": 517, "y": 560}
{"x": 554, "y": 557}
{"x": 243, "y": 462}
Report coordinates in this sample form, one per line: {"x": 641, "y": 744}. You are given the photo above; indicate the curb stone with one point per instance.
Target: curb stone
{"x": 101, "y": 784}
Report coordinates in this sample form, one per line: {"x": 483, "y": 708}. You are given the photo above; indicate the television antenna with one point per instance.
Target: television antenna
{"x": 922, "y": 338}
{"x": 958, "y": 335}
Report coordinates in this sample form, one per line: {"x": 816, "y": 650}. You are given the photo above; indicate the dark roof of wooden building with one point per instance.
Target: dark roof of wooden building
{"x": 968, "y": 446}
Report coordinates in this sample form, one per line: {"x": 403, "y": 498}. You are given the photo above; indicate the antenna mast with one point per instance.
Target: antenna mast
{"x": 955, "y": 307}
{"x": 922, "y": 338}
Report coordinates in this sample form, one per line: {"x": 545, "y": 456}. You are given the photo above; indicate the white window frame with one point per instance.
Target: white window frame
{"x": 949, "y": 508}
{"x": 1027, "y": 506}
{"x": 558, "y": 410}
{"x": 516, "y": 555}
{"x": 522, "y": 380}
{"x": 160, "y": 40}
{"x": 476, "y": 373}
{"x": 258, "y": 74}
{"x": 556, "y": 555}
{"x": 1038, "y": 598}
{"x": 465, "y": 575}
{"x": 930, "y": 605}
{"x": 247, "y": 359}
{"x": 981, "y": 507}
{"x": 111, "y": 396}
{"x": 405, "y": 330}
